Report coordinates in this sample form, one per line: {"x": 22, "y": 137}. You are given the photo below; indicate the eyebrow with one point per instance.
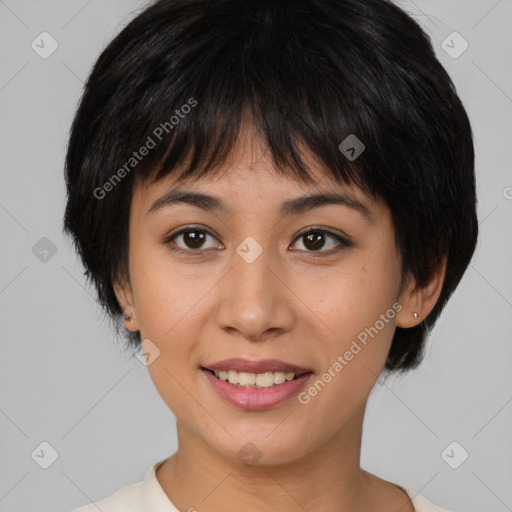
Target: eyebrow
{"x": 289, "y": 207}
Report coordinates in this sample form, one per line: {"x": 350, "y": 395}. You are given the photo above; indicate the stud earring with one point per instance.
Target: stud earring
{"x": 128, "y": 317}
{"x": 415, "y": 315}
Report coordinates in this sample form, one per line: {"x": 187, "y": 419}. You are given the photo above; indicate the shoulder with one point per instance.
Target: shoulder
{"x": 421, "y": 504}
{"x": 126, "y": 499}
{"x": 137, "y": 497}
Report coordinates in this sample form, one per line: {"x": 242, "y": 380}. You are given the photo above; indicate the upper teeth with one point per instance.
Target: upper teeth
{"x": 262, "y": 380}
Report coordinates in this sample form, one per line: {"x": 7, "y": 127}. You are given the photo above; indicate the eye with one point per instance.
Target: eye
{"x": 192, "y": 238}
{"x": 314, "y": 239}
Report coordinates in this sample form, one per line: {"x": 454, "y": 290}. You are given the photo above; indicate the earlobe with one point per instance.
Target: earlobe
{"x": 417, "y": 302}
{"x": 125, "y": 298}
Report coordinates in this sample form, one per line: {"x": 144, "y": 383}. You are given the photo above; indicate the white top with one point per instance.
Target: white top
{"x": 148, "y": 495}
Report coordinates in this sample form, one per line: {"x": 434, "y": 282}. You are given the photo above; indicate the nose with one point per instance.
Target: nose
{"x": 255, "y": 301}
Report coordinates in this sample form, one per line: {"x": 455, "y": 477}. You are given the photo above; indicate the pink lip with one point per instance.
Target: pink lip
{"x": 265, "y": 365}
{"x": 255, "y": 399}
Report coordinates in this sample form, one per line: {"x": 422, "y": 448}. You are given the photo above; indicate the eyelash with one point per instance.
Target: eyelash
{"x": 345, "y": 243}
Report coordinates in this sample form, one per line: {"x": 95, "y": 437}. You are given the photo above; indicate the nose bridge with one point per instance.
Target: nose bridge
{"x": 253, "y": 298}
{"x": 252, "y": 270}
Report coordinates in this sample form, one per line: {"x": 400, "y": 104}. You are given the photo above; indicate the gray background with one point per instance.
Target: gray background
{"x": 63, "y": 377}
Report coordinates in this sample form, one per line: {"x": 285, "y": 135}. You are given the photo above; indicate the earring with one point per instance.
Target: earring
{"x": 415, "y": 315}
{"x": 128, "y": 317}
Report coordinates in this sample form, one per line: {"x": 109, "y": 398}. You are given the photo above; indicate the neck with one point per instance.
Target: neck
{"x": 329, "y": 479}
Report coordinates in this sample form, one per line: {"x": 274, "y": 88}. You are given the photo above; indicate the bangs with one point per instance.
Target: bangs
{"x": 217, "y": 139}
{"x": 195, "y": 100}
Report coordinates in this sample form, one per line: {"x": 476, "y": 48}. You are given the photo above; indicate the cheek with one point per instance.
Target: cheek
{"x": 167, "y": 313}
{"x": 360, "y": 310}
{"x": 353, "y": 296}
{"x": 163, "y": 293}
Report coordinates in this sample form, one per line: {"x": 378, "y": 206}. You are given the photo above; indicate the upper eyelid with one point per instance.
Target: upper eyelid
{"x": 190, "y": 228}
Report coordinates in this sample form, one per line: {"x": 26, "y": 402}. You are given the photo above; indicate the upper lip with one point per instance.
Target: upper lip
{"x": 263, "y": 365}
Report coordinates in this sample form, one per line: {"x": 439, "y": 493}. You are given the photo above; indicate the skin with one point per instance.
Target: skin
{"x": 288, "y": 304}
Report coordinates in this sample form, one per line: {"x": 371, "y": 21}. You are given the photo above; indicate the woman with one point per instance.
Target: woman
{"x": 278, "y": 197}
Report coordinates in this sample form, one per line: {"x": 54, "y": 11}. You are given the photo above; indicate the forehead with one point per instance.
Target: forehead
{"x": 250, "y": 172}
{"x": 255, "y": 190}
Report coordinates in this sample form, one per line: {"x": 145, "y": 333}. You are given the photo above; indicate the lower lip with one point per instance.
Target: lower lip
{"x": 255, "y": 399}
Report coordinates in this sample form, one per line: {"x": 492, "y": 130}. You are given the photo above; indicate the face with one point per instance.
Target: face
{"x": 312, "y": 285}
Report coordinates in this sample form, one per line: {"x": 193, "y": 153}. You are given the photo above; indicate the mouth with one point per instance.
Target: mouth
{"x": 253, "y": 391}
{"x": 256, "y": 385}
{"x": 255, "y": 380}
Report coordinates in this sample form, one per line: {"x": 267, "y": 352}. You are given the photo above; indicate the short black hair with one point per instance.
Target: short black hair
{"x": 183, "y": 75}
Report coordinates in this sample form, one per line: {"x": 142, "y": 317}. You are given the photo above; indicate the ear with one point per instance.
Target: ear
{"x": 420, "y": 300}
{"x": 124, "y": 295}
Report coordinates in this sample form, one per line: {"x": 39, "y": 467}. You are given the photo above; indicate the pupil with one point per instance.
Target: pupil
{"x": 194, "y": 239}
{"x": 317, "y": 240}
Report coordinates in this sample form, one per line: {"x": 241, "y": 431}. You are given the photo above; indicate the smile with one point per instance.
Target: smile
{"x": 255, "y": 380}
{"x": 255, "y": 391}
